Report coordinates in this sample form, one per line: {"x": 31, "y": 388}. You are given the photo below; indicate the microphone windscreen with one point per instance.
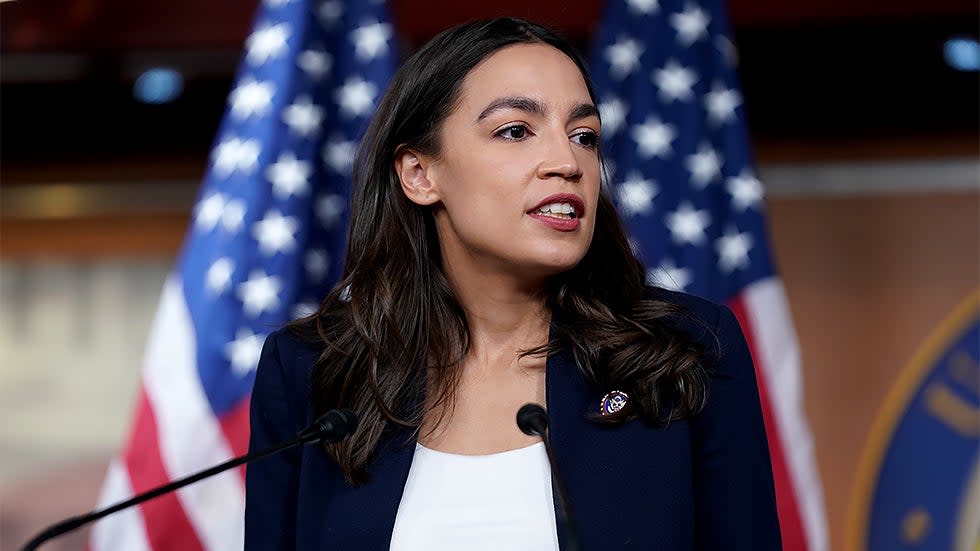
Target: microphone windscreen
{"x": 532, "y": 420}
{"x": 336, "y": 424}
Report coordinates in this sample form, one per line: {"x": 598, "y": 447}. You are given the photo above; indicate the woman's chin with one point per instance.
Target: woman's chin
{"x": 547, "y": 266}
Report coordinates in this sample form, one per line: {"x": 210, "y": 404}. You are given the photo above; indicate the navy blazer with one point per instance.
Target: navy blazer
{"x": 704, "y": 483}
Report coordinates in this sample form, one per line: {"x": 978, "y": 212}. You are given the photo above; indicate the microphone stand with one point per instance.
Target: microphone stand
{"x": 334, "y": 425}
{"x": 533, "y": 421}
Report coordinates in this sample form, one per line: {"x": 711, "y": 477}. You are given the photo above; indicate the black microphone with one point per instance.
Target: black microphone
{"x": 533, "y": 421}
{"x": 332, "y": 426}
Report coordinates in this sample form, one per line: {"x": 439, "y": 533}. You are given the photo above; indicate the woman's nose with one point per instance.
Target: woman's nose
{"x": 560, "y": 160}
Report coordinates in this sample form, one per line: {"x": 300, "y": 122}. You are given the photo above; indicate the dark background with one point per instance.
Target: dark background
{"x": 820, "y": 79}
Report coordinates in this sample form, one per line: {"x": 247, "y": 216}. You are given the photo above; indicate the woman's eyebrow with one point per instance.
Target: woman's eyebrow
{"x": 583, "y": 111}
{"x": 520, "y": 103}
{"x": 528, "y": 105}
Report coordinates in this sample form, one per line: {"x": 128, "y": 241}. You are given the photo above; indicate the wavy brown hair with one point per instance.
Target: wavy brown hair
{"x": 393, "y": 320}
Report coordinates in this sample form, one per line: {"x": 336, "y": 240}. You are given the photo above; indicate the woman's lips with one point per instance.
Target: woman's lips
{"x": 560, "y": 224}
{"x": 574, "y": 200}
{"x": 557, "y": 216}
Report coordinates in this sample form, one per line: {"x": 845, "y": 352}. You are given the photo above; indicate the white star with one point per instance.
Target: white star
{"x": 224, "y": 160}
{"x": 635, "y": 195}
{"x": 233, "y": 154}
{"x": 687, "y": 225}
{"x": 669, "y": 276}
{"x": 644, "y": 7}
{"x": 746, "y": 190}
{"x": 304, "y": 309}
{"x": 356, "y": 97}
{"x": 329, "y": 208}
{"x": 733, "y": 250}
{"x": 330, "y": 12}
{"x": 251, "y": 98}
{"x": 244, "y": 351}
{"x": 675, "y": 82}
{"x": 705, "y": 165}
{"x": 209, "y": 211}
{"x": 315, "y": 63}
{"x": 338, "y": 154}
{"x": 248, "y": 156}
{"x": 720, "y": 103}
{"x": 268, "y": 42}
{"x": 275, "y": 233}
{"x": 623, "y": 57}
{"x": 653, "y": 138}
{"x": 260, "y": 293}
{"x": 691, "y": 24}
{"x": 289, "y": 176}
{"x": 218, "y": 276}
{"x": 303, "y": 117}
{"x": 345, "y": 293}
{"x": 233, "y": 215}
{"x": 371, "y": 40}
{"x": 612, "y": 113}
{"x": 317, "y": 264}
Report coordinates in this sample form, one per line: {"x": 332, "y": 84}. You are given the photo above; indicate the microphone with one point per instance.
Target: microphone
{"x": 332, "y": 426}
{"x": 533, "y": 421}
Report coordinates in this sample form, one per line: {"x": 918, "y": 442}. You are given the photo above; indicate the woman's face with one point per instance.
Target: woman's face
{"x": 516, "y": 182}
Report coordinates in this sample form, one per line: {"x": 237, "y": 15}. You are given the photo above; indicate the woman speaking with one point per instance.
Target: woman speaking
{"x": 486, "y": 269}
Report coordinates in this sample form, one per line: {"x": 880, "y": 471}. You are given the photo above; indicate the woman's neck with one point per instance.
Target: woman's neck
{"x": 504, "y": 314}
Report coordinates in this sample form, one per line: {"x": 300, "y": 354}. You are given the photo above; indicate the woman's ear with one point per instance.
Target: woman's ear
{"x": 411, "y": 166}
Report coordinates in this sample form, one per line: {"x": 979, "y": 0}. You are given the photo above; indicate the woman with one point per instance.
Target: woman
{"x": 486, "y": 270}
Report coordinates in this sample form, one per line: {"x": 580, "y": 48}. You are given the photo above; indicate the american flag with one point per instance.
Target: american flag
{"x": 265, "y": 242}
{"x": 682, "y": 176}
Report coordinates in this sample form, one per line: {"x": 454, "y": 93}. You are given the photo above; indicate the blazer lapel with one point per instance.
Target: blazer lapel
{"x": 568, "y": 397}
{"x": 364, "y": 517}
{"x": 629, "y": 484}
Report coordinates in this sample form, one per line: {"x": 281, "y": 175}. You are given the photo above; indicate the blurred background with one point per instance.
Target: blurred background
{"x": 864, "y": 119}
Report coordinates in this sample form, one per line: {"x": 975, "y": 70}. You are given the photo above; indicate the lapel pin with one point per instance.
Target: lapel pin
{"x": 613, "y": 402}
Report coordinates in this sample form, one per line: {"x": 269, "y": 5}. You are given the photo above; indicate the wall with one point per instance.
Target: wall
{"x": 871, "y": 267}
{"x": 868, "y": 278}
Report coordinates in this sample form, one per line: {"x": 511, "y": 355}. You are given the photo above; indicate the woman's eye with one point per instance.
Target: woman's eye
{"x": 587, "y": 138}
{"x": 515, "y": 132}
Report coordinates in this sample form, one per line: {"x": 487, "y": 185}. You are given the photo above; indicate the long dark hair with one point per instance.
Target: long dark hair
{"x": 393, "y": 320}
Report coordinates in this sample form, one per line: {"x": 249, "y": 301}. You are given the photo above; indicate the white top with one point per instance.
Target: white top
{"x": 477, "y": 502}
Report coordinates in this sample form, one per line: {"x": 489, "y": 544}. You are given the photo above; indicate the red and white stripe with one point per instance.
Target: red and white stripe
{"x": 762, "y": 310}
{"x": 175, "y": 434}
